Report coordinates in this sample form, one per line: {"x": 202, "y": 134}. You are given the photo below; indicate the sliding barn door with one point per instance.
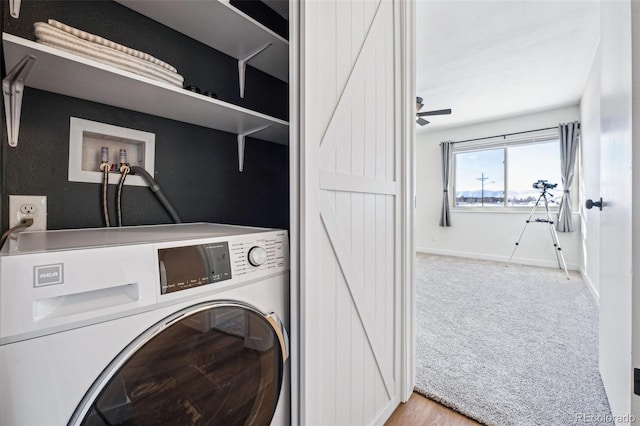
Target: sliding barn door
{"x": 349, "y": 212}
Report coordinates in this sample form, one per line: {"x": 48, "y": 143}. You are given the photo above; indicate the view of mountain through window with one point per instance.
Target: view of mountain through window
{"x": 480, "y": 178}
{"x": 480, "y": 175}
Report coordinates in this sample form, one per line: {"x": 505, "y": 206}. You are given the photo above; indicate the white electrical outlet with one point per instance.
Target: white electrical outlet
{"x": 28, "y": 206}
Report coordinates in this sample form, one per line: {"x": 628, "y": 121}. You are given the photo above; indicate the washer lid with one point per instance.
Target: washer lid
{"x": 75, "y": 239}
{"x": 211, "y": 363}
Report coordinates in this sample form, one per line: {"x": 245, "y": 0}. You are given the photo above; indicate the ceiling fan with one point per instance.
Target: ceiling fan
{"x": 421, "y": 121}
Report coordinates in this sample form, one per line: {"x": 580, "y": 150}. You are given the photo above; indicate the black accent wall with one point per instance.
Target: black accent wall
{"x": 196, "y": 167}
{"x": 263, "y": 14}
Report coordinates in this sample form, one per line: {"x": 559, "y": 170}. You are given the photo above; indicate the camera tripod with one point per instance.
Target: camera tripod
{"x": 550, "y": 223}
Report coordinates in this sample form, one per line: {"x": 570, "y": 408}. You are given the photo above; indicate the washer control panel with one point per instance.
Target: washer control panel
{"x": 240, "y": 257}
{"x": 267, "y": 252}
{"x": 186, "y": 267}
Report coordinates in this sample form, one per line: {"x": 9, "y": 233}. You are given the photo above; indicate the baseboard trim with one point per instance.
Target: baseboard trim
{"x": 387, "y": 412}
{"x": 496, "y": 258}
{"x": 592, "y": 288}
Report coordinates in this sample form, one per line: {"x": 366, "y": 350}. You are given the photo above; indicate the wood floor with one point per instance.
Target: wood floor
{"x": 422, "y": 411}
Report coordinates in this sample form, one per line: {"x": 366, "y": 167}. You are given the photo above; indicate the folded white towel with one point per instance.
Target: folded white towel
{"x": 47, "y": 34}
{"x": 108, "y": 43}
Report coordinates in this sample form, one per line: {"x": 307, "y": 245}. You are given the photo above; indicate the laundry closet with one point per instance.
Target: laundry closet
{"x": 321, "y": 150}
{"x": 198, "y": 153}
{"x": 145, "y": 144}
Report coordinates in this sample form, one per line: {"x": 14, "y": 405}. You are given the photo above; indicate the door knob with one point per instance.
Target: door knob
{"x": 591, "y": 204}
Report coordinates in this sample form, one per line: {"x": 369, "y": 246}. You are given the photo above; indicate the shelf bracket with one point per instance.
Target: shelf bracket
{"x": 14, "y": 8}
{"x": 12, "y": 90}
{"x": 242, "y": 66}
{"x": 241, "y": 137}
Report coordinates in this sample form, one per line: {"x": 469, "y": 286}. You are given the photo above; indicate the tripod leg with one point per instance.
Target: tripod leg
{"x": 525, "y": 227}
{"x": 556, "y": 241}
{"x": 554, "y": 237}
{"x": 559, "y": 255}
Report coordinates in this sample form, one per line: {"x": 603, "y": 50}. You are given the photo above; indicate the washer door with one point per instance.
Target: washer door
{"x": 212, "y": 363}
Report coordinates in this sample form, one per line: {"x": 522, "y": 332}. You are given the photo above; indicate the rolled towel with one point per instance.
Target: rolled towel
{"x": 108, "y": 43}
{"x": 48, "y": 35}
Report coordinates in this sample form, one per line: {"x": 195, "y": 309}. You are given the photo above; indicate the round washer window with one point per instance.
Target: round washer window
{"x": 210, "y": 364}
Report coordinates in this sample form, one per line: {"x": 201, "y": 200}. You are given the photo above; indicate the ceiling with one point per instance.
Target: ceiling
{"x": 491, "y": 59}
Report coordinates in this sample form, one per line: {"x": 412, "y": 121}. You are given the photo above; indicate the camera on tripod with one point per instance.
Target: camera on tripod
{"x": 543, "y": 184}
{"x": 544, "y": 196}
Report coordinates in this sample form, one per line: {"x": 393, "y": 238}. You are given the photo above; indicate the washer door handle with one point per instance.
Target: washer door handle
{"x": 281, "y": 332}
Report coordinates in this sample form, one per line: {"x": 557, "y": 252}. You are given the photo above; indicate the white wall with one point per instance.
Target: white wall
{"x": 589, "y": 177}
{"x": 486, "y": 235}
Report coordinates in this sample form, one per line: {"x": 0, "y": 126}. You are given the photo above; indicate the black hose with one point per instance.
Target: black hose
{"x": 137, "y": 170}
{"x": 123, "y": 176}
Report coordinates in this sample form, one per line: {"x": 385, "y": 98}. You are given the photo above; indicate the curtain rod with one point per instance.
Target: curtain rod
{"x": 508, "y": 134}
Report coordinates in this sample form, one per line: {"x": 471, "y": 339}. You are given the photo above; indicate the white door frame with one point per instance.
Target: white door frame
{"x": 294, "y": 208}
{"x": 408, "y": 182}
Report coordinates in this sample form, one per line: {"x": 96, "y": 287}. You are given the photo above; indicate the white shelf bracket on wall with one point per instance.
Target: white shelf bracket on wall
{"x": 14, "y": 8}
{"x": 241, "y": 137}
{"x": 12, "y": 90}
{"x": 242, "y": 66}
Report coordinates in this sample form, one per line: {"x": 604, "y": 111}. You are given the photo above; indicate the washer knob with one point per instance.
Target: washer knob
{"x": 257, "y": 256}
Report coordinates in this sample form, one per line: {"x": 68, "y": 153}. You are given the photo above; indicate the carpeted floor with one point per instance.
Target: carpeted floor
{"x": 513, "y": 345}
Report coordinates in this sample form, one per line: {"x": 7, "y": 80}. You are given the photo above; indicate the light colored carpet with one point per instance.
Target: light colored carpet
{"x": 513, "y": 345}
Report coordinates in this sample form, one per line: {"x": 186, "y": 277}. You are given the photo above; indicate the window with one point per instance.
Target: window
{"x": 497, "y": 177}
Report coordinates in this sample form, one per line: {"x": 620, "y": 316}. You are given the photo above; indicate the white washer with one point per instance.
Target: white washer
{"x": 163, "y": 324}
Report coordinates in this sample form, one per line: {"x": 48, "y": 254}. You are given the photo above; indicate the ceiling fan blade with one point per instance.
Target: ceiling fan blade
{"x": 421, "y": 121}
{"x": 419, "y": 103}
{"x": 436, "y": 112}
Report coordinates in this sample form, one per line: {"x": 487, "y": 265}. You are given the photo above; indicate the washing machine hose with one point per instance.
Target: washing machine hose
{"x": 124, "y": 171}
{"x": 137, "y": 170}
{"x": 105, "y": 185}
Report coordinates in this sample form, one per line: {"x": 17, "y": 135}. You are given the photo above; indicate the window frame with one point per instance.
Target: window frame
{"x": 504, "y": 143}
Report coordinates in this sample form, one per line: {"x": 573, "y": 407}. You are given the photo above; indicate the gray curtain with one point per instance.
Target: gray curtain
{"x": 568, "y": 148}
{"x": 445, "y": 153}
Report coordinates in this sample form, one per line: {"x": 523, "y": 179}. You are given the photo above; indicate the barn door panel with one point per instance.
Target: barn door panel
{"x": 350, "y": 294}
